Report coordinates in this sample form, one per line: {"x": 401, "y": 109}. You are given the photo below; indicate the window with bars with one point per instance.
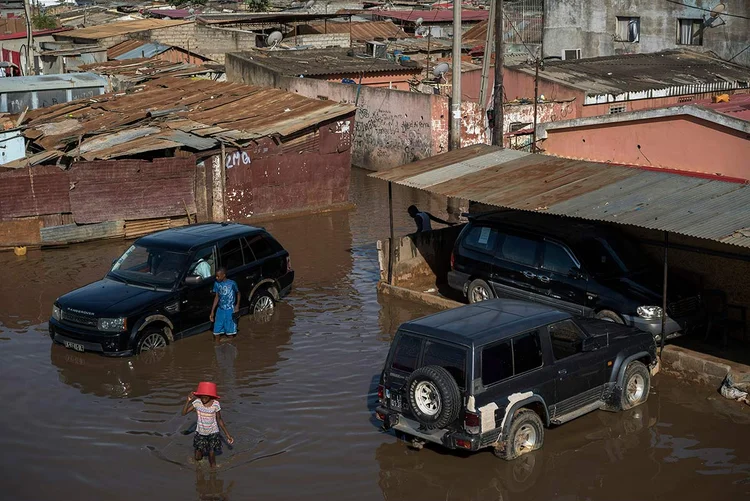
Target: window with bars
{"x": 690, "y": 32}
{"x": 618, "y": 108}
{"x": 628, "y": 29}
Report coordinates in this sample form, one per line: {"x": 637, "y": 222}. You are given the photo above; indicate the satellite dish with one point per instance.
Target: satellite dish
{"x": 191, "y": 11}
{"x": 295, "y": 5}
{"x": 309, "y": 4}
{"x": 440, "y": 70}
{"x": 422, "y": 31}
{"x": 419, "y": 21}
{"x": 718, "y": 10}
{"x": 274, "y": 39}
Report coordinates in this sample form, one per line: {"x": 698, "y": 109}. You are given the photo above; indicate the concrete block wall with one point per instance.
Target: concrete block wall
{"x": 321, "y": 41}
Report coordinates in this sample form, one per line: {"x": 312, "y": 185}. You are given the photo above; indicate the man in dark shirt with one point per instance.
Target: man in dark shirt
{"x": 423, "y": 218}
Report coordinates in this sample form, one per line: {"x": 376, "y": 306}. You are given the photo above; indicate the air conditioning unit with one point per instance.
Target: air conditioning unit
{"x": 571, "y": 54}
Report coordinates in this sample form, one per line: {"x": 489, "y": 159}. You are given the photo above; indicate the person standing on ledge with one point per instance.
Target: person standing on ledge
{"x": 423, "y": 218}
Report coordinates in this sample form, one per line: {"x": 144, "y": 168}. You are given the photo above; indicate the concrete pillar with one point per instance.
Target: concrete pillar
{"x": 217, "y": 187}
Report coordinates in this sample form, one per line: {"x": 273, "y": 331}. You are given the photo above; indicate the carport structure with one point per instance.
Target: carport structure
{"x": 702, "y": 206}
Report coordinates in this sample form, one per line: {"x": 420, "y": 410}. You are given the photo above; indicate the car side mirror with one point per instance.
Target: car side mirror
{"x": 193, "y": 279}
{"x": 589, "y": 344}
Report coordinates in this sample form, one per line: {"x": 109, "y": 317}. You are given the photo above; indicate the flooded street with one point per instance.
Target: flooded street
{"x": 298, "y": 393}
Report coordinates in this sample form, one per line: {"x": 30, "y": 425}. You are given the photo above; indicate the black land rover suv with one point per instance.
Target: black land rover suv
{"x": 579, "y": 268}
{"x": 159, "y": 290}
{"x": 492, "y": 374}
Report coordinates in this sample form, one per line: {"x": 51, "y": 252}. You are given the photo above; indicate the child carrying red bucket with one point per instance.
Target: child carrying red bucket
{"x": 205, "y": 402}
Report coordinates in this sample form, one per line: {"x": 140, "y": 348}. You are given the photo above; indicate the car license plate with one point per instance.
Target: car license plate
{"x": 73, "y": 346}
{"x": 396, "y": 401}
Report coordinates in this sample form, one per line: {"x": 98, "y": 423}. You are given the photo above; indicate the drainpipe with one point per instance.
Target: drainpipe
{"x": 392, "y": 243}
{"x": 664, "y": 296}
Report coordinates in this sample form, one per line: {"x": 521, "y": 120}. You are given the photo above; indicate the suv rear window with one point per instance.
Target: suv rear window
{"x": 482, "y": 238}
{"x": 261, "y": 246}
{"x": 407, "y": 353}
{"x": 503, "y": 360}
{"x": 451, "y": 358}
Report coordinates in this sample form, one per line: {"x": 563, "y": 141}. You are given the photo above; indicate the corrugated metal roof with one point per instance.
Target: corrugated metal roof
{"x": 321, "y": 62}
{"x": 122, "y": 28}
{"x": 644, "y": 76}
{"x": 360, "y": 30}
{"x": 145, "y": 50}
{"x": 174, "y": 112}
{"x": 694, "y": 206}
{"x": 52, "y": 82}
{"x": 432, "y": 16}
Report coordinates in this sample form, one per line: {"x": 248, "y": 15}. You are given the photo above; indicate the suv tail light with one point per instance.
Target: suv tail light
{"x": 381, "y": 393}
{"x": 472, "y": 422}
{"x": 453, "y": 260}
{"x": 288, "y": 264}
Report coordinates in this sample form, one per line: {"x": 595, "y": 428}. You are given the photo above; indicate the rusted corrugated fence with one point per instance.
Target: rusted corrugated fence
{"x": 47, "y": 205}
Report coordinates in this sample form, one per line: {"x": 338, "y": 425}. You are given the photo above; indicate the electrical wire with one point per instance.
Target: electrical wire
{"x": 512, "y": 25}
{"x": 706, "y": 10}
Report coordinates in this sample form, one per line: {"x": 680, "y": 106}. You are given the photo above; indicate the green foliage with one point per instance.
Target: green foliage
{"x": 44, "y": 22}
{"x": 258, "y": 5}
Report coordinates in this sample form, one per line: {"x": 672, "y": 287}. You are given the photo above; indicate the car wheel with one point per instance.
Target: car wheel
{"x": 636, "y": 385}
{"x": 433, "y": 396}
{"x": 262, "y": 302}
{"x": 151, "y": 339}
{"x": 479, "y": 291}
{"x": 526, "y": 434}
{"x": 610, "y": 316}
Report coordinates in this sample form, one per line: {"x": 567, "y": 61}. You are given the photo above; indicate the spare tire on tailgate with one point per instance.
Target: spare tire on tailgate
{"x": 433, "y": 397}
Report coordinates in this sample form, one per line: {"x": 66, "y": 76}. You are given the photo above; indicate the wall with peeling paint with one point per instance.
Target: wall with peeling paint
{"x": 307, "y": 171}
{"x": 393, "y": 127}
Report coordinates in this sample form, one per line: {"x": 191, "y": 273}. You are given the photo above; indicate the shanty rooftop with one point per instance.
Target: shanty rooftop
{"x": 170, "y": 113}
{"x": 432, "y": 16}
{"x": 142, "y": 69}
{"x": 122, "y": 28}
{"x": 360, "y": 30}
{"x": 320, "y": 62}
{"x": 638, "y": 76}
{"x": 697, "y": 206}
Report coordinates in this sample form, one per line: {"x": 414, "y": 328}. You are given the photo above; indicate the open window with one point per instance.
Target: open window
{"x": 689, "y": 32}
{"x": 628, "y": 29}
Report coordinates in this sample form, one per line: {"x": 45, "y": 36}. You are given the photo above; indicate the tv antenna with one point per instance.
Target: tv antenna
{"x": 440, "y": 70}
{"x": 274, "y": 39}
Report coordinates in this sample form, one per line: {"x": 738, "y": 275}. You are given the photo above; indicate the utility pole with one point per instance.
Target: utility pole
{"x": 536, "y": 100}
{"x": 488, "y": 49}
{"x": 29, "y": 39}
{"x": 455, "y": 128}
{"x": 497, "y": 105}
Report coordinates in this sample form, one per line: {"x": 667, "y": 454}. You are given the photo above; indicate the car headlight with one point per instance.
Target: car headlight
{"x": 56, "y": 312}
{"x": 649, "y": 312}
{"x": 112, "y": 324}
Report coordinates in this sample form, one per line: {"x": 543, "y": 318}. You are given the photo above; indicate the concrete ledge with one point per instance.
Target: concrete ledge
{"x": 416, "y": 296}
{"x": 699, "y": 367}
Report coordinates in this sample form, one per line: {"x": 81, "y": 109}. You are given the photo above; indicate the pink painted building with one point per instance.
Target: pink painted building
{"x": 704, "y": 137}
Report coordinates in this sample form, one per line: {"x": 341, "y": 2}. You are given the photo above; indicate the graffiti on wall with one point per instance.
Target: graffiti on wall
{"x": 386, "y": 139}
{"x": 237, "y": 159}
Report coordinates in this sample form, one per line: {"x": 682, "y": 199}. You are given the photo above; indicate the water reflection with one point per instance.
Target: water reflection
{"x": 262, "y": 343}
{"x": 211, "y": 487}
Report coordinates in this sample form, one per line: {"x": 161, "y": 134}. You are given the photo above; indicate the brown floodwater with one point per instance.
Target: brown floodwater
{"x": 298, "y": 393}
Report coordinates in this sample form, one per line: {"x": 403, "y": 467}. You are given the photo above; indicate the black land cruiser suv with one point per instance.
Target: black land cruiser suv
{"x": 159, "y": 290}
{"x": 580, "y": 268}
{"x": 493, "y": 374}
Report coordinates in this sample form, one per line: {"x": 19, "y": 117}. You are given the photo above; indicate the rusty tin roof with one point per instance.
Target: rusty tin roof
{"x": 172, "y": 112}
{"x": 694, "y": 206}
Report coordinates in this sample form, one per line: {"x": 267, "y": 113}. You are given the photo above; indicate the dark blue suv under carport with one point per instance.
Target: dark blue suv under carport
{"x": 579, "y": 268}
